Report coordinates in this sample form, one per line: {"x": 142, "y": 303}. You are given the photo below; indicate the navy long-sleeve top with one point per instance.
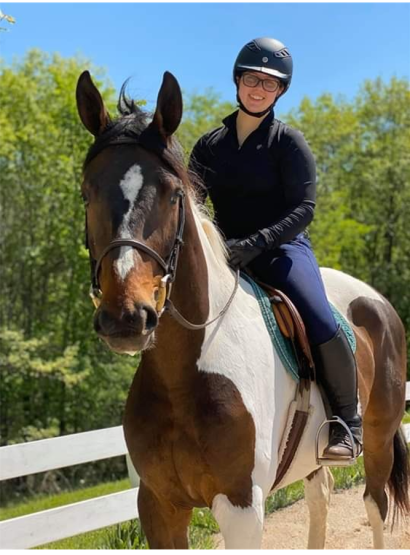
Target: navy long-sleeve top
{"x": 268, "y": 185}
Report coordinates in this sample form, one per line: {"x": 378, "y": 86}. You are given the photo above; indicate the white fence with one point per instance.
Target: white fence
{"x": 63, "y": 522}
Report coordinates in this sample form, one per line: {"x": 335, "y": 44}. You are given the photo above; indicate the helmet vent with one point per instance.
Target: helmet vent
{"x": 253, "y": 46}
{"x": 284, "y": 53}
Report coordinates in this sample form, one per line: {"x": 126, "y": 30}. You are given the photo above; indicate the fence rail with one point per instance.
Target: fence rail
{"x": 63, "y": 522}
{"x": 59, "y": 452}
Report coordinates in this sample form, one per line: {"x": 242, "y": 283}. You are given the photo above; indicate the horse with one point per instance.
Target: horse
{"x": 208, "y": 405}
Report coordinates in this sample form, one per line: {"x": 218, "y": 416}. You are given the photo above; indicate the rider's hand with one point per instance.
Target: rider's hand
{"x": 243, "y": 251}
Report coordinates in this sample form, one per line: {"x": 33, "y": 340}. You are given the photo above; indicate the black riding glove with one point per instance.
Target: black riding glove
{"x": 243, "y": 251}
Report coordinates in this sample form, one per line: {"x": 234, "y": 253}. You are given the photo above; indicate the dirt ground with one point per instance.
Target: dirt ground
{"x": 347, "y": 526}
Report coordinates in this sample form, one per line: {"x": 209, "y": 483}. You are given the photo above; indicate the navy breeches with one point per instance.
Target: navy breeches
{"x": 293, "y": 269}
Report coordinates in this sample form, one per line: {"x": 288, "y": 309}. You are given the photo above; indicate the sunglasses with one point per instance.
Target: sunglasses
{"x": 251, "y": 80}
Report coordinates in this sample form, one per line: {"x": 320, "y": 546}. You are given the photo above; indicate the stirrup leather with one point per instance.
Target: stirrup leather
{"x": 325, "y": 461}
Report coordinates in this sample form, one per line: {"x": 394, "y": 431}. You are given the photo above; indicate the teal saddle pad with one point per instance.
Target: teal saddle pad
{"x": 282, "y": 345}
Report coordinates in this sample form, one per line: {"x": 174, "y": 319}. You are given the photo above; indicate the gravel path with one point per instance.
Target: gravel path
{"x": 347, "y": 526}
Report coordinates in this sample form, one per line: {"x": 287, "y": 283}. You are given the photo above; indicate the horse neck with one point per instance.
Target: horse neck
{"x": 177, "y": 350}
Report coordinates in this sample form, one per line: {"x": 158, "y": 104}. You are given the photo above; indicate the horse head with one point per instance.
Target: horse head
{"x": 133, "y": 189}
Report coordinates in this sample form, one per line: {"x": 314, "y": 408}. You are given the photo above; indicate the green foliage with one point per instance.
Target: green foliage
{"x": 284, "y": 497}
{"x": 203, "y": 526}
{"x": 202, "y": 112}
{"x": 126, "y": 536}
{"x": 349, "y": 476}
{"x": 129, "y": 535}
{"x": 41, "y": 153}
{"x": 57, "y": 378}
{"x": 32, "y": 374}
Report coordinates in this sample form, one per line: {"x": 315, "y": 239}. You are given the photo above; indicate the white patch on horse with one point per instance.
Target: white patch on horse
{"x": 317, "y": 495}
{"x": 241, "y": 528}
{"x": 376, "y": 522}
{"x": 343, "y": 289}
{"x": 130, "y": 185}
{"x": 238, "y": 346}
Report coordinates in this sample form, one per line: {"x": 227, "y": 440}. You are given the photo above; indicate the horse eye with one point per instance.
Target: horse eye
{"x": 175, "y": 197}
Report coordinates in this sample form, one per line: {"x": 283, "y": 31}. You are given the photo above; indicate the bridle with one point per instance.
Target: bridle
{"x": 168, "y": 266}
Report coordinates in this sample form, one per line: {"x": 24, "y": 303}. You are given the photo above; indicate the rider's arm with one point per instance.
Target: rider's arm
{"x": 298, "y": 176}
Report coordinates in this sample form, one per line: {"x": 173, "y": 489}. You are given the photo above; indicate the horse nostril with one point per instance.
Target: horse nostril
{"x": 103, "y": 322}
{"x": 151, "y": 321}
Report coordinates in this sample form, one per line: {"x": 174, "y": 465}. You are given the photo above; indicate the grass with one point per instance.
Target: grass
{"x": 345, "y": 478}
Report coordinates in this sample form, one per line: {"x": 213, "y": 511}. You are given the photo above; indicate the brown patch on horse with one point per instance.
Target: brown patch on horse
{"x": 188, "y": 432}
{"x": 381, "y": 357}
{"x": 191, "y": 460}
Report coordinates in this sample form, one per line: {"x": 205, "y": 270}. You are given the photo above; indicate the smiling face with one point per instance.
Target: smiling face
{"x": 257, "y": 99}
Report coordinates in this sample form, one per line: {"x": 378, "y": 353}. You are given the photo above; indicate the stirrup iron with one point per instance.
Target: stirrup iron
{"x": 324, "y": 461}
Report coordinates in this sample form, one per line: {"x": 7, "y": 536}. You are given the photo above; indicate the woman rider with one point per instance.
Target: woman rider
{"x": 260, "y": 175}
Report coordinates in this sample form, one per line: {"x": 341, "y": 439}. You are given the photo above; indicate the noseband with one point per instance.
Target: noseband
{"x": 168, "y": 266}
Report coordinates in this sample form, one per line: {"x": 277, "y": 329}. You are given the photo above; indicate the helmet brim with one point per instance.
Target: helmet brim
{"x": 266, "y": 70}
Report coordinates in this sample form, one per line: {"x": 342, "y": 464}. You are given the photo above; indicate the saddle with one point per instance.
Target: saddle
{"x": 292, "y": 327}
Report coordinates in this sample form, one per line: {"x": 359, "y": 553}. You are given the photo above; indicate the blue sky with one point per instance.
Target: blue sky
{"x": 335, "y": 46}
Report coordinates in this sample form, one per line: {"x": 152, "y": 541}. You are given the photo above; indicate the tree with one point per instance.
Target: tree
{"x": 45, "y": 311}
{"x": 202, "y": 112}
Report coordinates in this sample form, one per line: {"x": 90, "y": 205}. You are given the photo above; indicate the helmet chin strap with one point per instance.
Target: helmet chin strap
{"x": 253, "y": 114}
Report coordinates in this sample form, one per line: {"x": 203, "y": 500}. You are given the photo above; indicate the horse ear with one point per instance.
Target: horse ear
{"x": 168, "y": 112}
{"x": 90, "y": 105}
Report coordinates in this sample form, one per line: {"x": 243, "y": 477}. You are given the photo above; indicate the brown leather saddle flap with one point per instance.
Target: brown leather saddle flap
{"x": 289, "y": 321}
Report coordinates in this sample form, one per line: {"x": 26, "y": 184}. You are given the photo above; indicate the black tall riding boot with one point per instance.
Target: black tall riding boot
{"x": 336, "y": 372}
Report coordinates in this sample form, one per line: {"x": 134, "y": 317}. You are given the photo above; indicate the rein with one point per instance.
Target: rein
{"x": 168, "y": 266}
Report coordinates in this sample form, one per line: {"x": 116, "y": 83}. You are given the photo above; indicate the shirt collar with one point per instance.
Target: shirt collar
{"x": 230, "y": 121}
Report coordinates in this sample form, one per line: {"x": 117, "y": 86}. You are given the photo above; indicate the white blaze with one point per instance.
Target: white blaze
{"x": 131, "y": 185}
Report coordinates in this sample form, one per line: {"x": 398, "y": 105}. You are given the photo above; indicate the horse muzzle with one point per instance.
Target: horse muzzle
{"x": 131, "y": 331}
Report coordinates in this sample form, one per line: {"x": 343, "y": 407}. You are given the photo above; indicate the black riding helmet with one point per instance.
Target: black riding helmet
{"x": 268, "y": 56}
